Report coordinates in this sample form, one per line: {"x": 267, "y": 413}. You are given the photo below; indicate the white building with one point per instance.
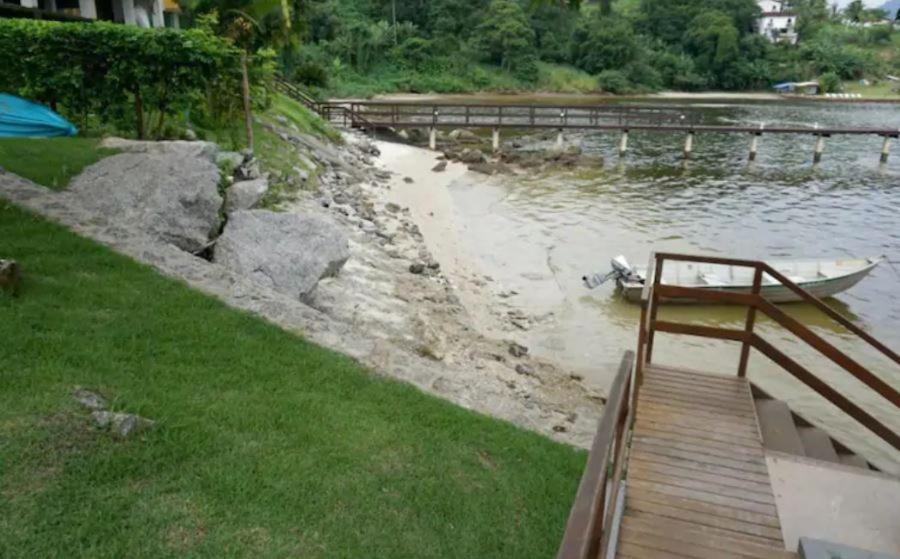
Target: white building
{"x": 143, "y": 13}
{"x": 777, "y": 22}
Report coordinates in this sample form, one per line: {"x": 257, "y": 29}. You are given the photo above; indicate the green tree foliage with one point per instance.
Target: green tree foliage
{"x": 712, "y": 39}
{"x": 603, "y": 43}
{"x": 504, "y": 36}
{"x": 120, "y": 74}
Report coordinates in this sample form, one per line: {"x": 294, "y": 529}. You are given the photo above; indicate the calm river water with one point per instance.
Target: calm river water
{"x": 539, "y": 235}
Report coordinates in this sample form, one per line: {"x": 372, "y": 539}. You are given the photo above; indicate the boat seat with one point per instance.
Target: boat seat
{"x": 711, "y": 280}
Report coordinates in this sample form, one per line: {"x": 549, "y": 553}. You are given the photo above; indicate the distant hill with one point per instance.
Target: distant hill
{"x": 891, "y": 7}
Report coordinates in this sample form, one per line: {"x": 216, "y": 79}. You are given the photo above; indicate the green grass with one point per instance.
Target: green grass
{"x": 266, "y": 445}
{"x": 565, "y": 79}
{"x": 51, "y": 162}
{"x": 881, "y": 90}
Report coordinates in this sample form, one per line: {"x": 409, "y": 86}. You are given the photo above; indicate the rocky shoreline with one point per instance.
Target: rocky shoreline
{"x": 375, "y": 293}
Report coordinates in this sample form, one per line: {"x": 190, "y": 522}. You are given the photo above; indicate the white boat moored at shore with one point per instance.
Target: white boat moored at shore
{"x": 822, "y": 278}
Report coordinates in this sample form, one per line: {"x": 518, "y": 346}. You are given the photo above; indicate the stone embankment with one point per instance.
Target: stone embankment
{"x": 335, "y": 264}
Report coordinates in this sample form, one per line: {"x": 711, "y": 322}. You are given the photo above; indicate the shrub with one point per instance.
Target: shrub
{"x": 117, "y": 73}
{"x": 829, "y": 82}
{"x": 613, "y": 81}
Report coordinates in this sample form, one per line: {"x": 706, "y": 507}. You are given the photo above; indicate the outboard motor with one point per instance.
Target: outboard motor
{"x": 621, "y": 271}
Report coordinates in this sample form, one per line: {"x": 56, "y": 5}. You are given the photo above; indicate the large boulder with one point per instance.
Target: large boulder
{"x": 472, "y": 156}
{"x": 169, "y": 192}
{"x": 244, "y": 195}
{"x": 288, "y": 252}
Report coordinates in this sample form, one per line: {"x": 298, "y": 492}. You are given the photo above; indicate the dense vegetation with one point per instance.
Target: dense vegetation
{"x": 265, "y": 445}
{"x": 367, "y": 46}
{"x": 107, "y": 75}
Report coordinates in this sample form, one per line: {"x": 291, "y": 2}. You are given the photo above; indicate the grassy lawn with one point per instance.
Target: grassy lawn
{"x": 881, "y": 90}
{"x": 265, "y": 446}
{"x": 50, "y": 161}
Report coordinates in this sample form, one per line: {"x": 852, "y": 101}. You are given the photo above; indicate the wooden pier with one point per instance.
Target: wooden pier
{"x": 682, "y": 462}
{"x": 624, "y": 119}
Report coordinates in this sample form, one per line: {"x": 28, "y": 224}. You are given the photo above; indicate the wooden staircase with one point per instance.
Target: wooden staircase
{"x": 784, "y": 430}
{"x": 688, "y": 449}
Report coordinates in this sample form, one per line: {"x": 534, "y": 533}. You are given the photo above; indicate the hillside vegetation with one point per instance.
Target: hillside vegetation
{"x": 351, "y": 47}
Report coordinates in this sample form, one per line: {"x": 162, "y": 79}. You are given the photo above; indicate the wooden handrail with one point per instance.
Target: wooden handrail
{"x": 803, "y": 375}
{"x": 589, "y": 519}
{"x": 654, "y": 290}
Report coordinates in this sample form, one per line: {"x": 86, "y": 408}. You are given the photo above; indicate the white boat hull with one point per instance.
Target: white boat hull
{"x": 820, "y": 278}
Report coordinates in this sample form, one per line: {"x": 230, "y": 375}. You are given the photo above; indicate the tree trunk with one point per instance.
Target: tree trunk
{"x": 606, "y": 7}
{"x": 245, "y": 87}
{"x": 139, "y": 114}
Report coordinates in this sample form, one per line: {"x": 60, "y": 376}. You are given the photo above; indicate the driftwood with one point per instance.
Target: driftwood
{"x": 10, "y": 276}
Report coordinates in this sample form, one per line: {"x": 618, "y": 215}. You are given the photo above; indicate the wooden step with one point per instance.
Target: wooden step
{"x": 777, "y": 427}
{"x": 853, "y": 460}
{"x": 817, "y": 444}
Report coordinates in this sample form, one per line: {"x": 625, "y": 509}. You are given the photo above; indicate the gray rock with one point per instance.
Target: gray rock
{"x": 231, "y": 159}
{"x": 205, "y": 150}
{"x": 408, "y": 180}
{"x": 517, "y": 350}
{"x": 249, "y": 170}
{"x": 89, "y": 398}
{"x": 440, "y": 167}
{"x": 190, "y": 135}
{"x": 122, "y": 424}
{"x": 472, "y": 156}
{"x": 524, "y": 369}
{"x": 170, "y": 194}
{"x": 417, "y": 268}
{"x": 287, "y": 252}
{"x": 485, "y": 168}
{"x": 462, "y": 135}
{"x": 244, "y": 195}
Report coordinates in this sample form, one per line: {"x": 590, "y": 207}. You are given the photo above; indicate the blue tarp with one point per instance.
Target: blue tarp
{"x": 23, "y": 119}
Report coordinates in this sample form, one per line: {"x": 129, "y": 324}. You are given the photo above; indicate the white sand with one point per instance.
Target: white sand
{"x": 431, "y": 206}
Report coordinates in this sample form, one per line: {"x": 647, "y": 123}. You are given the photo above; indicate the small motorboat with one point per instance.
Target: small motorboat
{"x": 822, "y": 278}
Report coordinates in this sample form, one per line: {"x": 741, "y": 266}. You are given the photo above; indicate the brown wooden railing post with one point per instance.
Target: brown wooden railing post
{"x": 653, "y": 302}
{"x": 748, "y": 328}
{"x": 467, "y": 114}
{"x": 588, "y": 519}
{"x": 499, "y": 116}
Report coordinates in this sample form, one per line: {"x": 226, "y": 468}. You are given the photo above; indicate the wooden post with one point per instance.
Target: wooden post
{"x": 10, "y": 276}
{"x": 820, "y": 147}
{"x": 754, "y": 138}
{"x": 245, "y": 88}
{"x": 432, "y": 138}
{"x": 654, "y": 304}
{"x": 495, "y": 139}
{"x": 885, "y": 149}
{"x": 748, "y": 327}
{"x": 623, "y": 143}
{"x": 689, "y": 144}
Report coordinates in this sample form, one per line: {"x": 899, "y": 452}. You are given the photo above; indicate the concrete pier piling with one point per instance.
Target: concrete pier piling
{"x": 754, "y": 142}
{"x": 559, "y": 138}
{"x": 820, "y": 147}
{"x": 495, "y": 139}
{"x": 623, "y": 143}
{"x": 885, "y": 149}
{"x": 689, "y": 144}
{"x": 432, "y": 138}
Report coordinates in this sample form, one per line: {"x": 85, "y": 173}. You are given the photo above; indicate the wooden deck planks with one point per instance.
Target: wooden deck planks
{"x": 697, "y": 485}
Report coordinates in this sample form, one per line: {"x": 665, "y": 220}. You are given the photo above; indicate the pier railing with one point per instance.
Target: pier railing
{"x": 592, "y": 516}
{"x": 655, "y": 291}
{"x": 332, "y": 112}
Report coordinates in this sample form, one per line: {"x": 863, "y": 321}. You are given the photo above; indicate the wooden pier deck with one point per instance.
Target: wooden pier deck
{"x": 698, "y": 484}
